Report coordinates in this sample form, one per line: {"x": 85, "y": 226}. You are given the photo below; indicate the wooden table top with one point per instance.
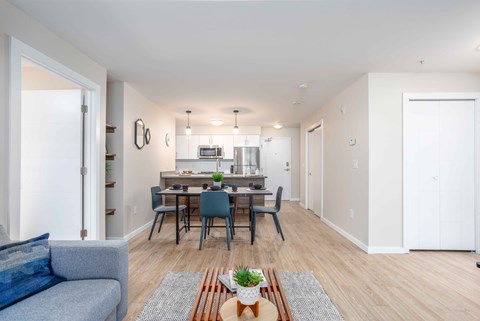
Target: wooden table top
{"x": 212, "y": 294}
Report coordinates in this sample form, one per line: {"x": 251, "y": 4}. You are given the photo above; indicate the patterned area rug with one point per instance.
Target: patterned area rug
{"x": 175, "y": 295}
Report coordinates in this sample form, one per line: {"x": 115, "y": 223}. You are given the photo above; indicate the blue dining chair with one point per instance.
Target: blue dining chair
{"x": 159, "y": 208}
{"x": 269, "y": 210}
{"x": 214, "y": 204}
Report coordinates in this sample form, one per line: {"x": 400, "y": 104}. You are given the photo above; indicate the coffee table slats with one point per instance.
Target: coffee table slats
{"x": 212, "y": 294}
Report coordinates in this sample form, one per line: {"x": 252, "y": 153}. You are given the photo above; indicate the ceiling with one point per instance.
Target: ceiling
{"x": 214, "y": 57}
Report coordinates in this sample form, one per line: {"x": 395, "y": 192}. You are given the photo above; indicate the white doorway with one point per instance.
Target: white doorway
{"x": 276, "y": 160}
{"x": 53, "y": 134}
{"x": 314, "y": 144}
{"x": 440, "y": 174}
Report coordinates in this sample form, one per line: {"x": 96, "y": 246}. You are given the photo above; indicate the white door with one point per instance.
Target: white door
{"x": 315, "y": 173}
{"x": 51, "y": 158}
{"x": 276, "y": 165}
{"x": 439, "y": 167}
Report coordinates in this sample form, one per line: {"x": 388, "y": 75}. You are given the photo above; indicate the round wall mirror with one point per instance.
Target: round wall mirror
{"x": 139, "y": 133}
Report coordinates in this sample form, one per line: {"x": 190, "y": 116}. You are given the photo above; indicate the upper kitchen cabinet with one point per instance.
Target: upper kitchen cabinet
{"x": 182, "y": 147}
{"x": 246, "y": 140}
{"x": 210, "y": 140}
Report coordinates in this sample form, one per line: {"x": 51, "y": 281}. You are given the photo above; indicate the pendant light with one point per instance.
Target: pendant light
{"x": 188, "y": 129}
{"x": 235, "y": 128}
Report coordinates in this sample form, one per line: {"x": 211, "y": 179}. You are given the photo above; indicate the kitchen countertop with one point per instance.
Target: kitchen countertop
{"x": 175, "y": 175}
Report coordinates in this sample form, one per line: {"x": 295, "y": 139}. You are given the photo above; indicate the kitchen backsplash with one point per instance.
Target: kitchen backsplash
{"x": 203, "y": 166}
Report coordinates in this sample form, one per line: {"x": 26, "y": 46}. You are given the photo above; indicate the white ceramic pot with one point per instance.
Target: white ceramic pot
{"x": 219, "y": 184}
{"x": 248, "y": 296}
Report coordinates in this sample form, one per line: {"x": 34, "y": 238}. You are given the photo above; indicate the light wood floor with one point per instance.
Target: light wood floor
{"x": 416, "y": 286}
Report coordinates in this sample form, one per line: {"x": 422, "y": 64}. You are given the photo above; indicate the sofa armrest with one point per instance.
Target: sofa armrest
{"x": 77, "y": 260}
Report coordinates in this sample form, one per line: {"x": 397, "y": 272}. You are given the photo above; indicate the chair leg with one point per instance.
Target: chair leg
{"x": 253, "y": 231}
{"x": 202, "y": 234}
{"x": 153, "y": 226}
{"x": 227, "y": 228}
{"x": 278, "y": 224}
{"x": 184, "y": 219}
{"x": 210, "y": 224}
{"x": 275, "y": 221}
{"x": 204, "y": 231}
{"x": 161, "y": 222}
{"x": 232, "y": 224}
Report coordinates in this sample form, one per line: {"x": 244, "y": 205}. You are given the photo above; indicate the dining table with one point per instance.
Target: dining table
{"x": 196, "y": 191}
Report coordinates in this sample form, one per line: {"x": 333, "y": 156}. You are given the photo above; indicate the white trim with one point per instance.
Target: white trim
{"x": 447, "y": 96}
{"x": 19, "y": 50}
{"x": 346, "y": 235}
{"x": 302, "y": 205}
{"x": 133, "y": 233}
{"x": 296, "y": 199}
{"x": 307, "y": 177}
{"x": 387, "y": 250}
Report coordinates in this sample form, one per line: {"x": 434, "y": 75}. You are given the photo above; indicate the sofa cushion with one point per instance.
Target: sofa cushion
{"x": 83, "y": 300}
{"x": 4, "y": 239}
{"x": 25, "y": 269}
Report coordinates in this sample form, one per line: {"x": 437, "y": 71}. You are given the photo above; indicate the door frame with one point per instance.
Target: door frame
{"x": 19, "y": 50}
{"x": 475, "y": 96}
{"x": 320, "y": 125}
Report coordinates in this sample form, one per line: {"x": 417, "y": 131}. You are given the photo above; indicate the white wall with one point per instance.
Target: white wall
{"x": 294, "y": 134}
{"x": 17, "y": 24}
{"x": 386, "y": 144}
{"x": 218, "y": 130}
{"x": 140, "y": 168}
{"x": 344, "y": 187}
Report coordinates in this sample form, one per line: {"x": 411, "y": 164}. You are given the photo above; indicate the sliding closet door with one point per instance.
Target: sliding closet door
{"x": 439, "y": 175}
{"x": 457, "y": 168}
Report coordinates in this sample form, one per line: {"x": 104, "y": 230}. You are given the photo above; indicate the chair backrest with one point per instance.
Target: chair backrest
{"x": 278, "y": 199}
{"x": 214, "y": 204}
{"x": 157, "y": 200}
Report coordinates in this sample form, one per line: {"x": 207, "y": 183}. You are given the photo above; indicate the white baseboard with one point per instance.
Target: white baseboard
{"x": 133, "y": 233}
{"x": 296, "y": 199}
{"x": 345, "y": 234}
{"x": 114, "y": 238}
{"x": 387, "y": 250}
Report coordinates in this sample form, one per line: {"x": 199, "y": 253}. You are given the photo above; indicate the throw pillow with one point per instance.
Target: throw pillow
{"x": 25, "y": 270}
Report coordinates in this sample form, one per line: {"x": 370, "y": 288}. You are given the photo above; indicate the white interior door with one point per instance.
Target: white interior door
{"x": 439, "y": 175}
{"x": 51, "y": 141}
{"x": 315, "y": 165}
{"x": 276, "y": 165}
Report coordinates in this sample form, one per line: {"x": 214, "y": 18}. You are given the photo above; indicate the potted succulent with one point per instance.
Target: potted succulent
{"x": 248, "y": 285}
{"x": 217, "y": 179}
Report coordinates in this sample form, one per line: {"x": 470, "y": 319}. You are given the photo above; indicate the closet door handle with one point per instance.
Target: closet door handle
{"x": 435, "y": 178}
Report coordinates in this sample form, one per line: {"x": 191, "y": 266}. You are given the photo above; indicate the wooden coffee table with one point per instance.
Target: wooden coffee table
{"x": 212, "y": 294}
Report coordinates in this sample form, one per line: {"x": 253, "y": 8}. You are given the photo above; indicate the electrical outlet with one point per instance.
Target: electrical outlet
{"x": 134, "y": 210}
{"x": 355, "y": 163}
{"x": 352, "y": 214}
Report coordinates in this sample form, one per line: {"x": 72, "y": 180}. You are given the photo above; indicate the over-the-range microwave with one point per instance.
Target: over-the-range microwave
{"x": 210, "y": 151}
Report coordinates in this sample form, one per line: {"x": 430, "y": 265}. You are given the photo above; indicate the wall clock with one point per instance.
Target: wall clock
{"x": 167, "y": 139}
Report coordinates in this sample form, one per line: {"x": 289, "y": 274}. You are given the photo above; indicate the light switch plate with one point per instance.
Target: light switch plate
{"x": 352, "y": 141}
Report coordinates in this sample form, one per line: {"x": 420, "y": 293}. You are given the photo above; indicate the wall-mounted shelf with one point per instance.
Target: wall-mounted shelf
{"x": 110, "y": 211}
{"x": 110, "y": 129}
{"x": 110, "y": 184}
{"x": 110, "y": 156}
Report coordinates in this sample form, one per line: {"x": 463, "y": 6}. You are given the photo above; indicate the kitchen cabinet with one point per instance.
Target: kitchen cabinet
{"x": 246, "y": 140}
{"x": 228, "y": 146}
{"x": 182, "y": 147}
{"x": 210, "y": 139}
{"x": 193, "y": 147}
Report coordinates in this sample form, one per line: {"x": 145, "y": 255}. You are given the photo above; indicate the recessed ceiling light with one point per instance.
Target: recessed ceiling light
{"x": 277, "y": 126}
{"x": 216, "y": 122}
{"x": 296, "y": 102}
{"x": 303, "y": 86}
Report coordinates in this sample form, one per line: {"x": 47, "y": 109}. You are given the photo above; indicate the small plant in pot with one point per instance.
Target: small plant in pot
{"x": 217, "y": 179}
{"x": 248, "y": 290}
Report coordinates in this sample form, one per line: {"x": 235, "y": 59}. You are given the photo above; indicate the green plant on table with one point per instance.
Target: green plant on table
{"x": 247, "y": 278}
{"x": 217, "y": 177}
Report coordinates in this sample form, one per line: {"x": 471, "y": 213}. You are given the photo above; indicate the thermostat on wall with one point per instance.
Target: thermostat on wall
{"x": 352, "y": 141}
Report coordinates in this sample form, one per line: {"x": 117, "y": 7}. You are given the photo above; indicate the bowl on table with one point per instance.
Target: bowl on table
{"x": 257, "y": 186}
{"x": 215, "y": 188}
{"x": 176, "y": 186}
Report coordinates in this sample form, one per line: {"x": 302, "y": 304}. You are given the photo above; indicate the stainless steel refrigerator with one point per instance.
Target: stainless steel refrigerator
{"x": 246, "y": 160}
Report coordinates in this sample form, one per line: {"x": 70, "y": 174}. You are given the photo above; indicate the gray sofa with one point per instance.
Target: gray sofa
{"x": 96, "y": 286}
